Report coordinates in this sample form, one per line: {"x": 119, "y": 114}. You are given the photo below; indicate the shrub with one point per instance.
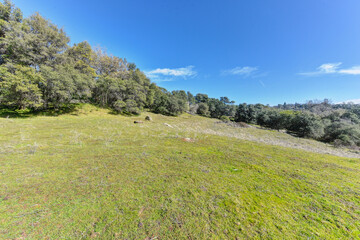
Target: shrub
{"x": 225, "y": 118}
{"x": 203, "y": 109}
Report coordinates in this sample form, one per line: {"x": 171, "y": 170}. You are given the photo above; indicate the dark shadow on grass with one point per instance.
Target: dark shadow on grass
{"x": 27, "y": 113}
{"x": 113, "y": 112}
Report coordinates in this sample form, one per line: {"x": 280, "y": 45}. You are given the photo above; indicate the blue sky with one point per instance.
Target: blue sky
{"x": 255, "y": 51}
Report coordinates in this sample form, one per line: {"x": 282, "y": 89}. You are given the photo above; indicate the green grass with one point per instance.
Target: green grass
{"x": 98, "y": 175}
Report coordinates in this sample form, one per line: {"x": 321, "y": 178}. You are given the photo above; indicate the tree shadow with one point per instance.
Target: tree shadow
{"x": 27, "y": 113}
{"x": 113, "y": 112}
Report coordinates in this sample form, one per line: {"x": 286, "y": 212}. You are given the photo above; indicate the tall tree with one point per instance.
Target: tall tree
{"x": 34, "y": 42}
{"x": 19, "y": 87}
{"x": 82, "y": 57}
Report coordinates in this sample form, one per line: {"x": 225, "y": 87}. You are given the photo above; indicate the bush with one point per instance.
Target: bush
{"x": 343, "y": 134}
{"x": 307, "y": 125}
{"x": 203, "y": 109}
{"x": 225, "y": 118}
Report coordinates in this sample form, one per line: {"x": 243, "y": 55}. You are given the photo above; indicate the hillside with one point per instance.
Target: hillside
{"x": 92, "y": 174}
{"x": 40, "y": 71}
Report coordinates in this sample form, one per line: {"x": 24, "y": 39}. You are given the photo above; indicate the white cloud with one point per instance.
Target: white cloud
{"x": 353, "y": 71}
{"x": 169, "y": 74}
{"x": 242, "y": 71}
{"x": 333, "y": 68}
{"x": 329, "y": 67}
{"x": 355, "y": 101}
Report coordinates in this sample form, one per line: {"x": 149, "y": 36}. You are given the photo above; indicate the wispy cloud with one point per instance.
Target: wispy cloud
{"x": 262, "y": 83}
{"x": 333, "y": 68}
{"x": 170, "y": 74}
{"x": 241, "y": 71}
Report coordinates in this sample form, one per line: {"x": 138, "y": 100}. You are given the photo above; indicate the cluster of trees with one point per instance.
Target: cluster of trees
{"x": 323, "y": 121}
{"x": 211, "y": 107}
{"x": 39, "y": 70}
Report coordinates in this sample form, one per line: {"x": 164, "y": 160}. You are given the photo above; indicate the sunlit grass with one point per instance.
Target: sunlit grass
{"x": 97, "y": 175}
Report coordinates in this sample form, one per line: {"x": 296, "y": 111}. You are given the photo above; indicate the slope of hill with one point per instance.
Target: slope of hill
{"x": 98, "y": 175}
{"x": 196, "y": 124}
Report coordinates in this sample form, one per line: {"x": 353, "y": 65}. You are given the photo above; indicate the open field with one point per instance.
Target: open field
{"x": 98, "y": 175}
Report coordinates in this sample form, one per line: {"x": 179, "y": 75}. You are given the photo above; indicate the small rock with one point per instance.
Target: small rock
{"x": 148, "y": 118}
{"x": 188, "y": 140}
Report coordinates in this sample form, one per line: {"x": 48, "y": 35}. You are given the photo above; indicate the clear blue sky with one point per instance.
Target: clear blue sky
{"x": 249, "y": 50}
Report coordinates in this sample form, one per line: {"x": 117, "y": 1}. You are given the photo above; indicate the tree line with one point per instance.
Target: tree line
{"x": 338, "y": 124}
{"x": 39, "y": 70}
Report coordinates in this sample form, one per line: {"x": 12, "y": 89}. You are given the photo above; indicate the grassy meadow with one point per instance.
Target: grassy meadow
{"x": 91, "y": 174}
